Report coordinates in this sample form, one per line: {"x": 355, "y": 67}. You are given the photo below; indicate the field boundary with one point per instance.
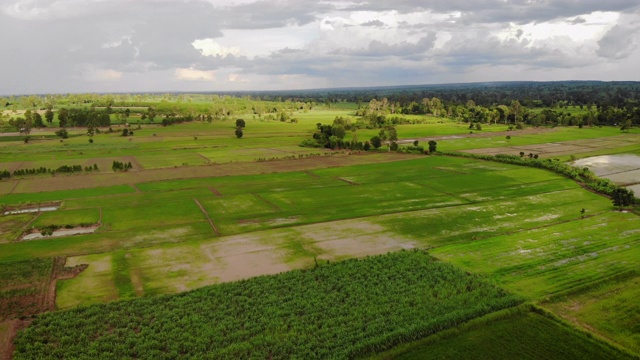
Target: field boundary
{"x": 272, "y": 205}
{"x": 206, "y": 215}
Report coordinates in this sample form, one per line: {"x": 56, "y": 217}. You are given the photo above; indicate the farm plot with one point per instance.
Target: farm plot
{"x": 548, "y": 260}
{"x": 171, "y": 268}
{"x": 610, "y": 309}
{"x": 509, "y": 334}
{"x": 346, "y": 309}
{"x": 562, "y": 148}
{"x": 24, "y": 286}
{"x": 11, "y": 227}
{"x": 78, "y": 217}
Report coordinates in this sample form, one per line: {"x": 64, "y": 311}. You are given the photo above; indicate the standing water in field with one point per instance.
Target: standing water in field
{"x": 59, "y": 233}
{"x": 30, "y": 210}
{"x": 621, "y": 169}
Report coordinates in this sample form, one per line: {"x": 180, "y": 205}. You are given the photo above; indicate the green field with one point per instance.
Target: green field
{"x": 252, "y": 240}
{"x": 516, "y": 333}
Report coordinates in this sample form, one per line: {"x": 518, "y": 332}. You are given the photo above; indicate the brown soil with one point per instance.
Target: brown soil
{"x": 6, "y": 338}
{"x": 215, "y": 191}
{"x": 41, "y": 300}
{"x": 347, "y": 181}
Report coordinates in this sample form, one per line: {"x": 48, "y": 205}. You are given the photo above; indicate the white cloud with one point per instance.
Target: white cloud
{"x": 191, "y": 74}
{"x": 209, "y": 47}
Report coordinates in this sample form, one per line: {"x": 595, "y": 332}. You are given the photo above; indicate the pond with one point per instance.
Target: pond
{"x": 621, "y": 169}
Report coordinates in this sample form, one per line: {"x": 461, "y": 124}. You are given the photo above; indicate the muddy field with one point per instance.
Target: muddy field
{"x": 573, "y": 147}
{"x": 622, "y": 169}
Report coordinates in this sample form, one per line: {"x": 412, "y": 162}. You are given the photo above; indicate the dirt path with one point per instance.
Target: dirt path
{"x": 8, "y": 331}
{"x": 311, "y": 174}
{"x": 206, "y": 215}
{"x": 135, "y": 188}
{"x": 215, "y": 191}
{"x": 347, "y": 181}
{"x": 15, "y": 184}
{"x": 273, "y": 206}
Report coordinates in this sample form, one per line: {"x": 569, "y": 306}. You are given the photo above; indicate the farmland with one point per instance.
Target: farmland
{"x": 204, "y": 218}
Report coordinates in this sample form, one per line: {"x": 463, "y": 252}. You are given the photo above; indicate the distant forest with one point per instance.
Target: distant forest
{"x": 530, "y": 94}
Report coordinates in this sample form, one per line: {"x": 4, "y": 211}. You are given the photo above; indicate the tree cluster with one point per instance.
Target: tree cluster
{"x": 121, "y": 166}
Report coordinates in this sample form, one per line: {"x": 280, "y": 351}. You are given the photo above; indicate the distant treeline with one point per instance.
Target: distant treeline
{"x": 5, "y": 174}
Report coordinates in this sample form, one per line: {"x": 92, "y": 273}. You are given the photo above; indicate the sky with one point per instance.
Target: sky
{"x": 72, "y": 46}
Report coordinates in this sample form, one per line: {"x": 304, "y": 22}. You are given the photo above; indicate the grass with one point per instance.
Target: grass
{"x": 31, "y": 198}
{"x": 97, "y": 281}
{"x": 610, "y": 309}
{"x": 552, "y": 259}
{"x": 68, "y": 217}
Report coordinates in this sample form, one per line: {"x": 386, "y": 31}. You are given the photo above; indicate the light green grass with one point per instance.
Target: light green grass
{"x": 611, "y": 308}
{"x": 68, "y": 217}
{"x": 97, "y": 282}
{"x": 552, "y": 259}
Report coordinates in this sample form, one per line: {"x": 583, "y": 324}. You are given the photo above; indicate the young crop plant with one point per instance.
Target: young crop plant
{"x": 340, "y": 310}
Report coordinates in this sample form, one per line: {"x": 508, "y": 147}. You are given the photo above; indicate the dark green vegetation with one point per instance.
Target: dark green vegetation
{"x": 340, "y": 310}
{"x": 515, "y": 333}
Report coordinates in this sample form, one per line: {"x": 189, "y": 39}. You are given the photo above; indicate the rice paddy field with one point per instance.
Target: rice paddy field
{"x": 206, "y": 219}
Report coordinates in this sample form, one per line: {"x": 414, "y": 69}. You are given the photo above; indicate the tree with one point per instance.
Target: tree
{"x": 125, "y": 132}
{"x": 515, "y": 109}
{"x": 240, "y": 123}
{"x": 622, "y": 197}
{"x": 376, "y": 142}
{"x": 62, "y": 133}
{"x": 37, "y": 120}
{"x": 48, "y": 115}
{"x": 338, "y": 131}
{"x": 239, "y": 133}
{"x": 626, "y": 126}
{"x": 366, "y": 146}
{"x": 415, "y": 142}
{"x": 63, "y": 117}
{"x": 432, "y": 146}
